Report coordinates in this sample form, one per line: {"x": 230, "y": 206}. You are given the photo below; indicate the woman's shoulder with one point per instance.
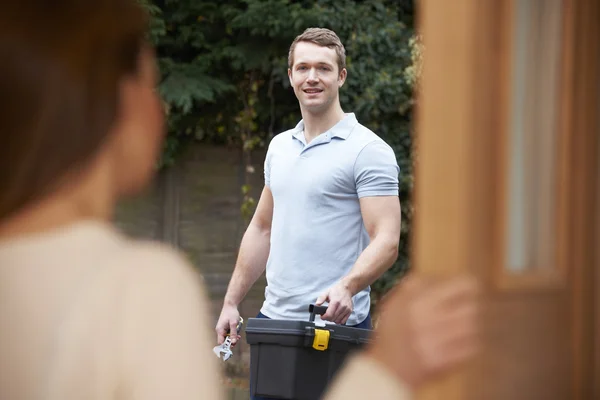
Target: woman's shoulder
{"x": 143, "y": 266}
{"x": 153, "y": 263}
{"x": 159, "y": 285}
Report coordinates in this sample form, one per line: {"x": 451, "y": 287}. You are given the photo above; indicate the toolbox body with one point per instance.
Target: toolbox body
{"x": 296, "y": 360}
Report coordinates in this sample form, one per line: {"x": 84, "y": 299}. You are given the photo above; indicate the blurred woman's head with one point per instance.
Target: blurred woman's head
{"x": 79, "y": 102}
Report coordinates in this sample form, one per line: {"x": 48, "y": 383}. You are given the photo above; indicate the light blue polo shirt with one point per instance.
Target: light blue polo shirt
{"x": 317, "y": 231}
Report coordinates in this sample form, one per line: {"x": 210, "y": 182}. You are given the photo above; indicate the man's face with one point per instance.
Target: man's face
{"x": 315, "y": 76}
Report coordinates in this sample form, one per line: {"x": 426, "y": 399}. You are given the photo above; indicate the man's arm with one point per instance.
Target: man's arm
{"x": 382, "y": 219}
{"x": 251, "y": 263}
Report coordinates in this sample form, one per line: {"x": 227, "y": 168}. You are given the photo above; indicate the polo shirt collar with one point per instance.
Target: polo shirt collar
{"x": 340, "y": 130}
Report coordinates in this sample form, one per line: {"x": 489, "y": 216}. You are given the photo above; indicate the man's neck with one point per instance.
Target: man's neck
{"x": 317, "y": 123}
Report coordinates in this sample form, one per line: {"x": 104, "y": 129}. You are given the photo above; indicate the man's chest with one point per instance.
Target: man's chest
{"x": 320, "y": 171}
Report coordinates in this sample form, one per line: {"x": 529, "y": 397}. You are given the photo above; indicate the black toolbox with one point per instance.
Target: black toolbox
{"x": 296, "y": 360}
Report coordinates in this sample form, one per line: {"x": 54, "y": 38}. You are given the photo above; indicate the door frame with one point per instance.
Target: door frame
{"x": 596, "y": 289}
{"x": 463, "y": 87}
{"x": 458, "y": 91}
{"x": 583, "y": 61}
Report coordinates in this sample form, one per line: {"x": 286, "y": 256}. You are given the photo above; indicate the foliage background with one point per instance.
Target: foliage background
{"x": 224, "y": 77}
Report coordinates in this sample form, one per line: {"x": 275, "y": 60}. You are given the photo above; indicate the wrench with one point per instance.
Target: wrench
{"x": 224, "y": 350}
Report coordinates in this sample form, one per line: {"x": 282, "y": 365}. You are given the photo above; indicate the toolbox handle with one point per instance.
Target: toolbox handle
{"x": 319, "y": 310}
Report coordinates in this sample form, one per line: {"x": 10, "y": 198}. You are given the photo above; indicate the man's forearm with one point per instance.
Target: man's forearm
{"x": 251, "y": 263}
{"x": 377, "y": 258}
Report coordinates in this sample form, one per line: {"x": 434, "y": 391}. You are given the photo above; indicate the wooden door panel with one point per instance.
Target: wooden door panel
{"x": 527, "y": 353}
{"x": 538, "y": 321}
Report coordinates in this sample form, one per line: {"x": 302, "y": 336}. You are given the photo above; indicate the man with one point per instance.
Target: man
{"x": 327, "y": 224}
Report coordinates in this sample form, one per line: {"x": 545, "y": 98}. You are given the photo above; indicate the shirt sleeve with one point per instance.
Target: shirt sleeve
{"x": 376, "y": 170}
{"x": 267, "y": 166}
{"x": 363, "y": 378}
{"x": 167, "y": 340}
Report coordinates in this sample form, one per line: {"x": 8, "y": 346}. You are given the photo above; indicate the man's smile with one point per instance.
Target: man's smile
{"x": 312, "y": 90}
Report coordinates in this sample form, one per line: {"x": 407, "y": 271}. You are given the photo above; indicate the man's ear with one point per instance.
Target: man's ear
{"x": 290, "y": 77}
{"x": 342, "y": 77}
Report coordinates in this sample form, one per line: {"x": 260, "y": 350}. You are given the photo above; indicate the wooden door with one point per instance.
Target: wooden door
{"x": 507, "y": 187}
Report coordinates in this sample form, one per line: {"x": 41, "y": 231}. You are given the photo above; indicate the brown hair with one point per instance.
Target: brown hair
{"x": 62, "y": 64}
{"x": 322, "y": 37}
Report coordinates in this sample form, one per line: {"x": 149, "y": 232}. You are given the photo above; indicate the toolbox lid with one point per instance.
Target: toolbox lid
{"x": 304, "y": 333}
{"x": 262, "y": 330}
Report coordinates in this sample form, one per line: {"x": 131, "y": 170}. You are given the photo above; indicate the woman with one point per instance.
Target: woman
{"x": 86, "y": 313}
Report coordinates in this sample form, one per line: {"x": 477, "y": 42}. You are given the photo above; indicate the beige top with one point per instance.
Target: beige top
{"x": 86, "y": 313}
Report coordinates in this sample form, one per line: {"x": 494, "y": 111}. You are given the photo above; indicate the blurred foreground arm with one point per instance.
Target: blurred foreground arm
{"x": 425, "y": 329}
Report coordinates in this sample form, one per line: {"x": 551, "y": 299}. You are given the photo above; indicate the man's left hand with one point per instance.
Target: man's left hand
{"x": 340, "y": 305}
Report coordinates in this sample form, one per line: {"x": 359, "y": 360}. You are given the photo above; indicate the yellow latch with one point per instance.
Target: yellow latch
{"x": 321, "y": 340}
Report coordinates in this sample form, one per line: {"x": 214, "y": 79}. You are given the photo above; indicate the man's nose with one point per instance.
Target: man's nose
{"x": 312, "y": 75}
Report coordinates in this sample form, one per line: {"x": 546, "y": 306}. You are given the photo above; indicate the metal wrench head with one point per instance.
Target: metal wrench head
{"x": 224, "y": 349}
{"x": 225, "y": 353}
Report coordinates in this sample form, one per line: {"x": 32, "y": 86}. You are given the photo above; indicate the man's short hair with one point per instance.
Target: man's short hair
{"x": 321, "y": 37}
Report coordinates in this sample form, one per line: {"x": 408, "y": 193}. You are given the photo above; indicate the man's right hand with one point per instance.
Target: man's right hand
{"x": 228, "y": 321}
